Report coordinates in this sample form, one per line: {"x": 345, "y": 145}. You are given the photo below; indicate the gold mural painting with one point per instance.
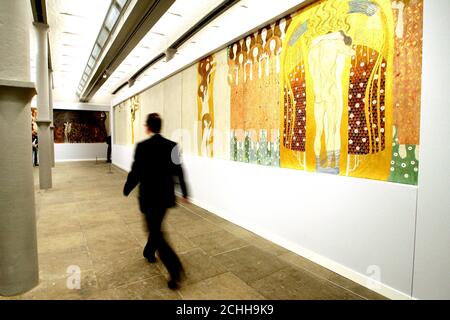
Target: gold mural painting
{"x": 205, "y": 104}
{"x": 340, "y": 63}
{"x": 333, "y": 88}
{"x": 254, "y": 77}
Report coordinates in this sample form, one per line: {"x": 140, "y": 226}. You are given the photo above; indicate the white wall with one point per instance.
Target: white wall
{"x": 80, "y": 151}
{"x": 362, "y": 229}
{"x": 122, "y": 156}
{"x": 432, "y": 259}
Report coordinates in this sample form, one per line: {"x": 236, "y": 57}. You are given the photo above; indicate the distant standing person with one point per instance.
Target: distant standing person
{"x": 108, "y": 151}
{"x": 34, "y": 143}
{"x": 156, "y": 162}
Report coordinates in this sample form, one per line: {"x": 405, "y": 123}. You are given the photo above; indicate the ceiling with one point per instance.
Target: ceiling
{"x": 75, "y": 24}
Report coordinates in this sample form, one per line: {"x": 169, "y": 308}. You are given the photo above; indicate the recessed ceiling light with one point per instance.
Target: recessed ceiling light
{"x": 71, "y": 33}
{"x": 71, "y": 15}
{"x": 175, "y": 14}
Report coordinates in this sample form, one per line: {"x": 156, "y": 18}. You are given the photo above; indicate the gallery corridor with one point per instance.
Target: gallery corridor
{"x": 87, "y": 227}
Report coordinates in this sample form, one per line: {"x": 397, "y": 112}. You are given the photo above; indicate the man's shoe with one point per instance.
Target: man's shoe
{"x": 172, "y": 284}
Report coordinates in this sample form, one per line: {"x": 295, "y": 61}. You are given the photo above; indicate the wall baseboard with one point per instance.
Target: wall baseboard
{"x": 118, "y": 166}
{"x": 74, "y": 160}
{"x": 115, "y": 166}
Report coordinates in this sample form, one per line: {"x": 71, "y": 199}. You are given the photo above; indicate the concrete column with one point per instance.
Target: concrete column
{"x": 43, "y": 121}
{"x": 50, "y": 101}
{"x": 18, "y": 246}
{"x": 18, "y": 249}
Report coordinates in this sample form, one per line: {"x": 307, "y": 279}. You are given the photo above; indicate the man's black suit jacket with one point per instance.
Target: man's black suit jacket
{"x": 156, "y": 163}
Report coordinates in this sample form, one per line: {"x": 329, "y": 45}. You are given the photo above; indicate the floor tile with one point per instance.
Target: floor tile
{"x": 225, "y": 286}
{"x": 199, "y": 266}
{"x": 120, "y": 274}
{"x": 250, "y": 263}
{"x": 218, "y": 242}
{"x": 154, "y": 288}
{"x": 306, "y": 264}
{"x": 296, "y": 284}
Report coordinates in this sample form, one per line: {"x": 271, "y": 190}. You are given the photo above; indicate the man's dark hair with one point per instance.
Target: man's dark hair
{"x": 154, "y": 122}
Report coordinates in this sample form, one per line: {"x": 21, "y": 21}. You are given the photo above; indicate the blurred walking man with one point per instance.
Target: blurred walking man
{"x": 156, "y": 162}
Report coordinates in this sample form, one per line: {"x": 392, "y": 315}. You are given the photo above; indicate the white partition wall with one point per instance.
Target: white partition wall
{"x": 80, "y": 151}
{"x": 432, "y": 258}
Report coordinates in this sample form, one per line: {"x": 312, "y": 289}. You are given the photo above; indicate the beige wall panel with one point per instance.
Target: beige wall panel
{"x": 189, "y": 110}
{"x": 152, "y": 100}
{"x": 221, "y": 107}
{"x": 172, "y": 108}
{"x": 122, "y": 123}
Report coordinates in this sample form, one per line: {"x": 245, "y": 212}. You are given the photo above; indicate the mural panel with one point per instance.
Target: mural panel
{"x": 152, "y": 100}
{"x": 343, "y": 75}
{"x": 206, "y": 69}
{"x": 122, "y": 123}
{"x": 75, "y": 126}
{"x": 332, "y": 88}
{"x": 171, "y": 126}
{"x": 34, "y": 126}
{"x": 189, "y": 110}
{"x": 254, "y": 79}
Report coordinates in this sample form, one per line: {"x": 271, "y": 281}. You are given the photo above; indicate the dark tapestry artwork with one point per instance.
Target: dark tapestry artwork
{"x": 75, "y": 126}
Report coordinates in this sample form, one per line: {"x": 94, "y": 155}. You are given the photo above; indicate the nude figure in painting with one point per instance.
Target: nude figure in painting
{"x": 206, "y": 146}
{"x": 326, "y": 58}
{"x": 67, "y": 130}
{"x": 206, "y": 108}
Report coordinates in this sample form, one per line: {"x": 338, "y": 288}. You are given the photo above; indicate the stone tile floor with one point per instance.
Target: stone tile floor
{"x": 86, "y": 224}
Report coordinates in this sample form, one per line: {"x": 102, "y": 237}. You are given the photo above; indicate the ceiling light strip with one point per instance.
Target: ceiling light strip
{"x": 143, "y": 16}
{"x": 112, "y": 17}
{"x": 216, "y": 12}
